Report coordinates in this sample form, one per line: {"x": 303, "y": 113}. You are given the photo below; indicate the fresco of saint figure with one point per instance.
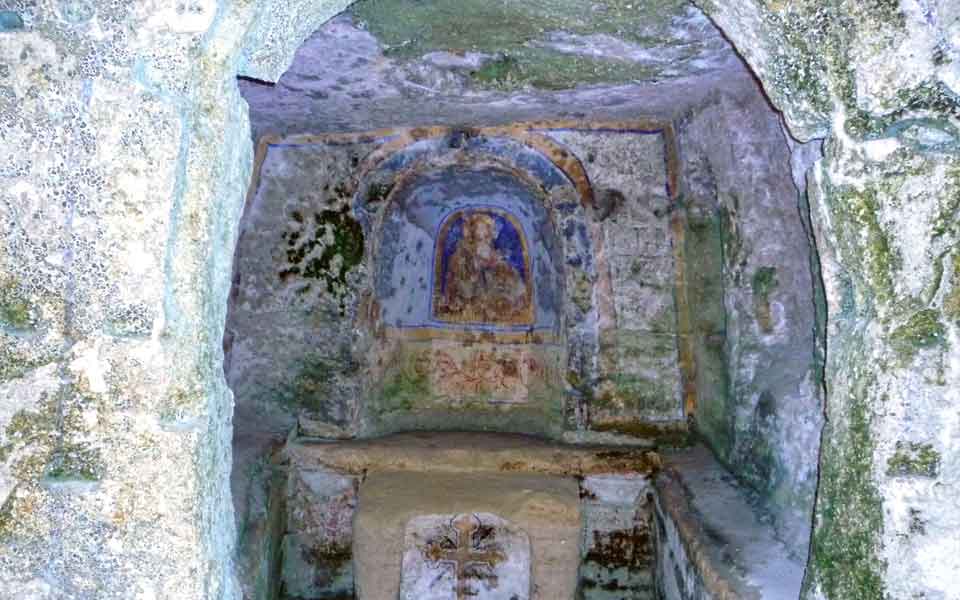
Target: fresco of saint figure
{"x": 482, "y": 271}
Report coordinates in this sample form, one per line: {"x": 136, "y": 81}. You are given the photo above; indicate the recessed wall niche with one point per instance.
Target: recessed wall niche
{"x": 468, "y": 297}
{"x": 518, "y": 278}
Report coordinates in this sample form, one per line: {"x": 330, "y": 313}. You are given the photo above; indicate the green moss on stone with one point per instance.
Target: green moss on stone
{"x": 74, "y": 463}
{"x": 378, "y": 192}
{"x": 36, "y": 430}
{"x": 665, "y": 321}
{"x": 8, "y": 519}
{"x": 329, "y": 556}
{"x": 929, "y": 96}
{"x": 312, "y": 382}
{"x": 669, "y": 434}
{"x": 947, "y": 220}
{"x": 404, "y": 390}
{"x": 513, "y": 31}
{"x": 926, "y": 97}
{"x": 16, "y": 314}
{"x": 756, "y": 461}
{"x": 341, "y": 241}
{"x": 731, "y": 240}
{"x": 631, "y": 346}
{"x": 15, "y": 311}
{"x": 845, "y": 549}
{"x": 640, "y": 394}
{"x": 951, "y": 302}
{"x": 178, "y": 406}
{"x": 255, "y": 477}
{"x": 315, "y": 386}
{"x": 912, "y": 458}
{"x": 497, "y": 72}
{"x": 804, "y": 44}
{"x": 704, "y": 254}
{"x": 812, "y": 43}
{"x": 923, "y": 329}
{"x": 866, "y": 244}
{"x": 545, "y": 69}
{"x": 530, "y": 418}
{"x": 763, "y": 283}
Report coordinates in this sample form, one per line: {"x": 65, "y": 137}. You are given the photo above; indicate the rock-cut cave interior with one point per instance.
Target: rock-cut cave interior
{"x": 523, "y": 307}
{"x": 519, "y": 300}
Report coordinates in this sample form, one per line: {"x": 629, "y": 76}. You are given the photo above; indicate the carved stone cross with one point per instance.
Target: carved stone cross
{"x": 466, "y": 545}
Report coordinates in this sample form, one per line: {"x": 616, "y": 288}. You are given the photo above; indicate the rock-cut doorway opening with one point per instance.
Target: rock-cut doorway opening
{"x": 577, "y": 264}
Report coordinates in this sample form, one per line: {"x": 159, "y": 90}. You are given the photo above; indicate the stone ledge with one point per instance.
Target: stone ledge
{"x": 712, "y": 542}
{"x": 460, "y": 452}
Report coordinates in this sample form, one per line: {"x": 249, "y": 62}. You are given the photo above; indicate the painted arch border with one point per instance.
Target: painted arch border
{"x": 529, "y": 133}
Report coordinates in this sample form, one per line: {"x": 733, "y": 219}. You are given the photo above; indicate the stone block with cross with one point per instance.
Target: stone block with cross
{"x": 465, "y": 556}
{"x": 466, "y": 536}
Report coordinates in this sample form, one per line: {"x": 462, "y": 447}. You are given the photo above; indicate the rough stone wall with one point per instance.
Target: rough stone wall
{"x": 882, "y": 81}
{"x": 118, "y": 214}
{"x": 390, "y": 63}
{"x": 293, "y": 302}
{"x": 879, "y": 78}
{"x": 316, "y": 556}
{"x": 259, "y": 487}
{"x": 763, "y": 414}
{"x": 890, "y": 234}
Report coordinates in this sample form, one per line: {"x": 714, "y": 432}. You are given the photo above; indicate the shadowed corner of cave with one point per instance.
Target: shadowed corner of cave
{"x": 524, "y": 306}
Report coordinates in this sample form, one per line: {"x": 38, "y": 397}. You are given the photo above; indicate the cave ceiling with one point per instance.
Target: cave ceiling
{"x": 408, "y": 62}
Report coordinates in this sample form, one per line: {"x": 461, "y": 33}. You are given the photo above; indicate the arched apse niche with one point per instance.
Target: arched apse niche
{"x": 475, "y": 242}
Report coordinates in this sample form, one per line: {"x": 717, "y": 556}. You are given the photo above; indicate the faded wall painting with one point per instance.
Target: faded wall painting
{"x": 465, "y": 250}
{"x": 482, "y": 270}
{"x": 639, "y": 377}
{"x": 508, "y": 279}
{"x": 456, "y": 374}
{"x": 469, "y": 293}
